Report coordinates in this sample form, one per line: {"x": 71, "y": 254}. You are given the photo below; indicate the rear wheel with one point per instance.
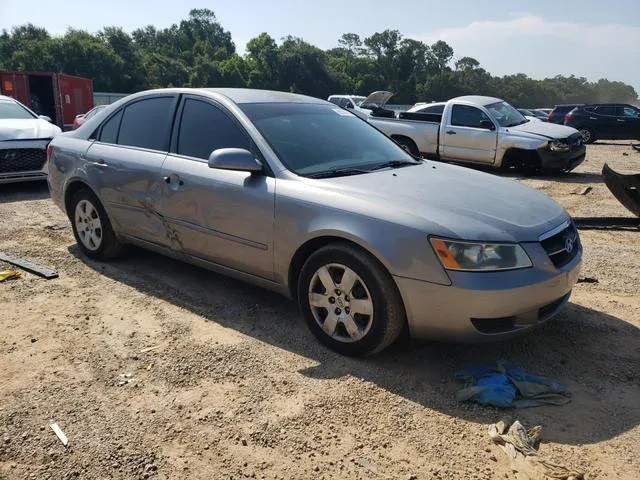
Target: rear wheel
{"x": 92, "y": 227}
{"x": 408, "y": 145}
{"x": 349, "y": 301}
{"x": 588, "y": 136}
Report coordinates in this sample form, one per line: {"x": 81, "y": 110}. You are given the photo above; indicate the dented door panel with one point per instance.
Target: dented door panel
{"x": 128, "y": 181}
{"x": 223, "y": 216}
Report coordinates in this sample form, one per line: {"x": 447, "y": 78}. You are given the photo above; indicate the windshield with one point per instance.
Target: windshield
{"x": 310, "y": 139}
{"x": 358, "y": 100}
{"x": 505, "y": 114}
{"x": 10, "y": 109}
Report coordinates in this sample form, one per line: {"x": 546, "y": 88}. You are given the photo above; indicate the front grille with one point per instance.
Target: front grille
{"x": 22, "y": 159}
{"x": 563, "y": 246}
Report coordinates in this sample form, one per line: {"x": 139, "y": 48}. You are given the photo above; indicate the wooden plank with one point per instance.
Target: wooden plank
{"x": 60, "y": 434}
{"x": 29, "y": 266}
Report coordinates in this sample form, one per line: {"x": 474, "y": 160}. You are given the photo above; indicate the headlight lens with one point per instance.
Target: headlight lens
{"x": 469, "y": 256}
{"x": 559, "y": 146}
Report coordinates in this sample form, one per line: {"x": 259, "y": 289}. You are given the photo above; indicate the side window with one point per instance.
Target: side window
{"x": 606, "y": 110}
{"x": 433, "y": 109}
{"x": 590, "y": 109}
{"x": 467, "y": 116}
{"x": 205, "y": 128}
{"x": 146, "y": 123}
{"x": 109, "y": 132}
{"x": 628, "y": 112}
{"x": 335, "y": 101}
{"x": 347, "y": 103}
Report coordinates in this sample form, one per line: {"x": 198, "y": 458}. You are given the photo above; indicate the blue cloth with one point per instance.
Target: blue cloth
{"x": 506, "y": 385}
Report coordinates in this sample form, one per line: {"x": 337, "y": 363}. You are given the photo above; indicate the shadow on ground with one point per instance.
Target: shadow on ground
{"x": 596, "y": 354}
{"x": 19, "y": 192}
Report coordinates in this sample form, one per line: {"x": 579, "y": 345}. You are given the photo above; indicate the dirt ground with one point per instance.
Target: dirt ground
{"x": 237, "y": 387}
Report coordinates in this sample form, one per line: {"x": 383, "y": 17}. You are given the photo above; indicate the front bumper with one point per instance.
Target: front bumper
{"x": 480, "y": 307}
{"x": 23, "y": 160}
{"x": 565, "y": 161}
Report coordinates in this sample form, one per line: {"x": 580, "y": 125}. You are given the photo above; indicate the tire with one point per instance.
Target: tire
{"x": 588, "y": 135}
{"x": 95, "y": 238}
{"x": 408, "y": 145}
{"x": 353, "y": 333}
{"x": 530, "y": 164}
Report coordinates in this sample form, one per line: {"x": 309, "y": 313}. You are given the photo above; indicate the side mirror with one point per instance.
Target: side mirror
{"x": 237, "y": 159}
{"x": 488, "y": 124}
{"x": 45, "y": 118}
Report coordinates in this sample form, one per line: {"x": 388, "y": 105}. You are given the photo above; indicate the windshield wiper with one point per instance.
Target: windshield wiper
{"x": 338, "y": 172}
{"x": 395, "y": 164}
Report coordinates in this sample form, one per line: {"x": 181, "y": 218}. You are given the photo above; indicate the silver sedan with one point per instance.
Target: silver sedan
{"x": 300, "y": 196}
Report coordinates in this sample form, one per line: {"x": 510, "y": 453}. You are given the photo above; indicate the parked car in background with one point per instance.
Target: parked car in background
{"x": 528, "y": 115}
{"x": 546, "y": 111}
{"x": 351, "y": 102}
{"x": 537, "y": 114}
{"x": 605, "y": 121}
{"x": 83, "y": 117}
{"x": 295, "y": 194}
{"x": 483, "y": 131}
{"x": 559, "y": 111}
{"x": 24, "y": 137}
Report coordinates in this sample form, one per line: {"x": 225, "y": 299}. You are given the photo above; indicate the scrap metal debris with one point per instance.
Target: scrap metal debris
{"x": 9, "y": 275}
{"x": 607, "y": 223}
{"x": 521, "y": 446}
{"x": 45, "y": 272}
{"x": 588, "y": 280}
{"x": 505, "y": 385}
{"x": 58, "y": 431}
{"x": 124, "y": 378}
{"x": 583, "y": 191}
{"x": 57, "y": 226}
{"x": 636, "y": 146}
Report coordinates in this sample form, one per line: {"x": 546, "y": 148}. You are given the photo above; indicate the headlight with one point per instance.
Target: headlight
{"x": 468, "y": 256}
{"x": 559, "y": 146}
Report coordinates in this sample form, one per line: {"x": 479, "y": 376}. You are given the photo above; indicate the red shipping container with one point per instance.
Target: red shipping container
{"x": 58, "y": 96}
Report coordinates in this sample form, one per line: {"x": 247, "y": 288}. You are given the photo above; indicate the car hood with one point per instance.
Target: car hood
{"x": 26, "y": 129}
{"x": 543, "y": 129}
{"x": 379, "y": 98}
{"x": 451, "y": 201}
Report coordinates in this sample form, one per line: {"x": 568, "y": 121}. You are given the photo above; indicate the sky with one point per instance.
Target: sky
{"x": 591, "y": 38}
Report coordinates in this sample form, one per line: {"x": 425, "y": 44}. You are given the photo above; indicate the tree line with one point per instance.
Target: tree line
{"x": 199, "y": 52}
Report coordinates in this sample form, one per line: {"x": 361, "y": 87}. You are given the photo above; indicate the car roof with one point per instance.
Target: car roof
{"x": 249, "y": 95}
{"x": 9, "y": 99}
{"x": 478, "y": 99}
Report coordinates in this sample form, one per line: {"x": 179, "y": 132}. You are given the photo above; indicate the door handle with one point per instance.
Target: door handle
{"x": 450, "y": 132}
{"x": 167, "y": 180}
{"x": 592, "y": 118}
{"x": 99, "y": 163}
{"x": 620, "y": 120}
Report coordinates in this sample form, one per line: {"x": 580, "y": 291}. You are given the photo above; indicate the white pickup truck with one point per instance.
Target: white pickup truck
{"x": 479, "y": 130}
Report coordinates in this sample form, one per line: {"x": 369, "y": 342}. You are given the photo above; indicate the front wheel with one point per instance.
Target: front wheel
{"x": 92, "y": 227}
{"x": 350, "y": 303}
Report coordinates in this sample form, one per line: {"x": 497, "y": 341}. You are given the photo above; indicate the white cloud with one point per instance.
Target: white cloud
{"x": 531, "y": 44}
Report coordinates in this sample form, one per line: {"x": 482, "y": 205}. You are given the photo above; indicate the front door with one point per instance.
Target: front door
{"x": 466, "y": 136}
{"x": 223, "y": 216}
{"x": 629, "y": 119}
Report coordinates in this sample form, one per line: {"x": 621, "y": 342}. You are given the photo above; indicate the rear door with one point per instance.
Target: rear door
{"x": 606, "y": 123}
{"x": 124, "y": 164}
{"x": 629, "y": 119}
{"x": 463, "y": 137}
{"x": 223, "y": 216}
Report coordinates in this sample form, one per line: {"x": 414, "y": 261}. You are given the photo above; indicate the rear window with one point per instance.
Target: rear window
{"x": 605, "y": 110}
{"x": 432, "y": 109}
{"x": 146, "y": 123}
